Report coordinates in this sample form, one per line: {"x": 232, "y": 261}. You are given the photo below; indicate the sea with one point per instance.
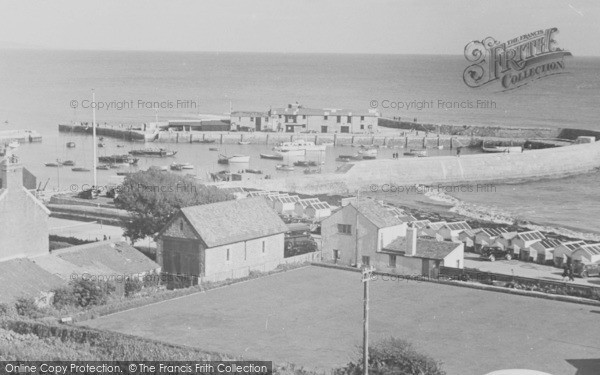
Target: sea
{"x": 41, "y": 88}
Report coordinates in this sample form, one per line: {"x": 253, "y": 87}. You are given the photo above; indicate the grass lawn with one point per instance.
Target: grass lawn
{"x": 313, "y": 317}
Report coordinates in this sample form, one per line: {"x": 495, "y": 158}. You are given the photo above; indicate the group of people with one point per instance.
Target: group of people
{"x": 568, "y": 272}
{"x": 395, "y": 155}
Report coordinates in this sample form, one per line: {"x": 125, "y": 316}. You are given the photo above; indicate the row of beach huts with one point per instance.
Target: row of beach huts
{"x": 530, "y": 246}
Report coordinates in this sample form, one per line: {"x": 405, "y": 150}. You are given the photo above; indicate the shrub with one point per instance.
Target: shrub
{"x": 6, "y": 310}
{"x": 64, "y": 297}
{"x": 89, "y": 292}
{"x": 394, "y": 357}
{"x": 133, "y": 285}
{"x": 26, "y": 306}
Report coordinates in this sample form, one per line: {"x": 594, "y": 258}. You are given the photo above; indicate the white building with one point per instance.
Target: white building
{"x": 587, "y": 254}
{"x": 562, "y": 253}
{"x": 523, "y": 241}
{"x": 295, "y": 118}
{"x": 302, "y": 204}
{"x": 318, "y": 210}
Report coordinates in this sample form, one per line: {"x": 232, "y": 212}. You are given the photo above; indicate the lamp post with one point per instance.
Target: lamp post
{"x": 367, "y": 274}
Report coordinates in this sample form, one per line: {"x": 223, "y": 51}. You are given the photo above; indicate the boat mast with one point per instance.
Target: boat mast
{"x": 94, "y": 139}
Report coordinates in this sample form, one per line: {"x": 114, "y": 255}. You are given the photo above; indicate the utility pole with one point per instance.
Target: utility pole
{"x": 95, "y": 166}
{"x": 356, "y": 229}
{"x": 367, "y": 273}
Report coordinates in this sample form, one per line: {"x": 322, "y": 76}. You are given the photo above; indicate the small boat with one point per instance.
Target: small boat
{"x": 304, "y": 163}
{"x": 368, "y": 153}
{"x": 103, "y": 167}
{"x": 243, "y": 142}
{"x": 116, "y": 166}
{"x": 299, "y": 145}
{"x": 271, "y": 156}
{"x": 500, "y": 148}
{"x": 119, "y": 146}
{"x": 181, "y": 166}
{"x": 80, "y": 169}
{"x": 53, "y": 165}
{"x": 343, "y": 159}
{"x": 160, "y": 152}
{"x": 213, "y": 149}
{"x": 418, "y": 153}
{"x": 284, "y": 167}
{"x": 118, "y": 159}
{"x": 71, "y": 145}
{"x": 207, "y": 141}
{"x": 68, "y": 163}
{"x": 350, "y": 157}
{"x": 223, "y": 159}
{"x": 123, "y": 173}
{"x": 312, "y": 170}
{"x": 100, "y": 145}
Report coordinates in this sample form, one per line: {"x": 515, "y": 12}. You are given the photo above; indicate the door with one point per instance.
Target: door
{"x": 425, "y": 267}
{"x": 258, "y": 122}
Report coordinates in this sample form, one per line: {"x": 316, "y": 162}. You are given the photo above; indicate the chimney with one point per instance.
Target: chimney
{"x": 11, "y": 173}
{"x": 411, "y": 242}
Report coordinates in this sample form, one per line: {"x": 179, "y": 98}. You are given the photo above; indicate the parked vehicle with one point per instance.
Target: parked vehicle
{"x": 493, "y": 253}
{"x": 585, "y": 270}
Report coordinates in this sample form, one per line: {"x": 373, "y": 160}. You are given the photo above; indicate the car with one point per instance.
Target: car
{"x": 585, "y": 270}
{"x": 493, "y": 253}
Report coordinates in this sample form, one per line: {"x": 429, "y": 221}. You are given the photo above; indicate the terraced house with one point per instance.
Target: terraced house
{"x": 295, "y": 118}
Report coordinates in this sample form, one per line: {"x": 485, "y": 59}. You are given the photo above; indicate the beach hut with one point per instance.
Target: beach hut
{"x": 467, "y": 237}
{"x": 562, "y": 253}
{"x": 432, "y": 229}
{"x": 487, "y": 237}
{"x": 587, "y": 253}
{"x": 302, "y": 204}
{"x": 504, "y": 241}
{"x": 285, "y": 204}
{"x": 272, "y": 198}
{"x": 318, "y": 210}
{"x": 523, "y": 241}
{"x": 543, "y": 251}
{"x": 450, "y": 231}
{"x": 420, "y": 226}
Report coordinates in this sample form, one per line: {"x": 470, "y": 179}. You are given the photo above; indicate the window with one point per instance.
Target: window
{"x": 251, "y": 118}
{"x": 303, "y": 117}
{"x": 362, "y": 126}
{"x": 362, "y": 118}
{"x": 339, "y": 119}
{"x": 323, "y": 129}
{"x": 345, "y": 228}
{"x": 181, "y": 225}
{"x": 392, "y": 261}
{"x": 345, "y": 129}
{"x": 325, "y": 117}
{"x": 349, "y": 119}
{"x": 336, "y": 254}
{"x": 227, "y": 254}
{"x": 263, "y": 247}
{"x": 366, "y": 260}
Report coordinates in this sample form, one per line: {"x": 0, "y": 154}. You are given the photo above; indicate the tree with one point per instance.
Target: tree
{"x": 394, "y": 357}
{"x": 152, "y": 197}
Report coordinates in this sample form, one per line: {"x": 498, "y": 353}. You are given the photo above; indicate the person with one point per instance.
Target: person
{"x": 458, "y": 151}
{"x": 571, "y": 273}
{"x": 565, "y": 272}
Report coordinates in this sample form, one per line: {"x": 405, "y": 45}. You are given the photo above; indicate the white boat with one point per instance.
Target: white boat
{"x": 505, "y": 149}
{"x": 299, "y": 144}
{"x": 369, "y": 153}
{"x": 243, "y": 142}
{"x": 284, "y": 167}
{"x": 233, "y": 159}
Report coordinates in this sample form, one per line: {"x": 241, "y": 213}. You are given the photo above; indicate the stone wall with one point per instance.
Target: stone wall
{"x": 536, "y": 164}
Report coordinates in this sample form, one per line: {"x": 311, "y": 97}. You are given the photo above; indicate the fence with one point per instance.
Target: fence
{"x": 520, "y": 282}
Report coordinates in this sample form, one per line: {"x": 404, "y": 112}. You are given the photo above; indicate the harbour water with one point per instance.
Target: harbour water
{"x": 43, "y": 88}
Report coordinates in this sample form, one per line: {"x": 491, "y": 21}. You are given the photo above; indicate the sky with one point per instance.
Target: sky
{"x": 307, "y": 26}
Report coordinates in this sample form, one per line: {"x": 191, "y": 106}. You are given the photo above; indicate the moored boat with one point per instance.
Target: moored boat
{"x": 103, "y": 167}
{"x": 181, "y": 166}
{"x": 207, "y": 141}
{"x": 299, "y": 145}
{"x": 80, "y": 169}
{"x": 53, "y": 165}
{"x": 243, "y": 142}
{"x": 271, "y": 156}
{"x": 305, "y": 163}
{"x": 118, "y": 159}
{"x": 418, "y": 153}
{"x": 284, "y": 167}
{"x": 71, "y": 144}
{"x": 68, "y": 163}
{"x": 223, "y": 159}
{"x": 312, "y": 170}
{"x": 213, "y": 149}
{"x": 160, "y": 152}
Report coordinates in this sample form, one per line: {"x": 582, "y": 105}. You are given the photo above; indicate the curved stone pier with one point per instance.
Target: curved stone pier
{"x": 447, "y": 170}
